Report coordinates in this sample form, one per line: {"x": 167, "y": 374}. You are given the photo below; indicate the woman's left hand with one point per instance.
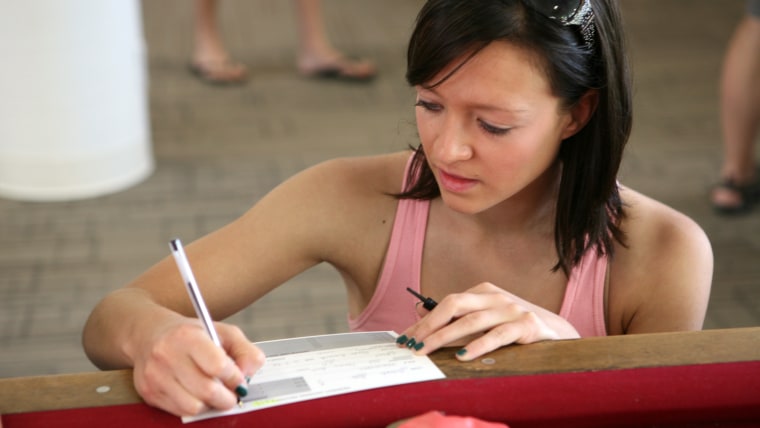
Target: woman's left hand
{"x": 483, "y": 319}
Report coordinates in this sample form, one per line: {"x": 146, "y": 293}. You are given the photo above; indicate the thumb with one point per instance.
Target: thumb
{"x": 247, "y": 356}
{"x": 421, "y": 311}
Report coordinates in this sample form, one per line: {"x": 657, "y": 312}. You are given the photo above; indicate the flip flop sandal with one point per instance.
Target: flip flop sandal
{"x": 219, "y": 72}
{"x": 342, "y": 70}
{"x": 748, "y": 194}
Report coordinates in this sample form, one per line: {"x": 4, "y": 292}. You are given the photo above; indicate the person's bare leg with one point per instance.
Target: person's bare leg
{"x": 316, "y": 55}
{"x": 740, "y": 110}
{"x": 210, "y": 58}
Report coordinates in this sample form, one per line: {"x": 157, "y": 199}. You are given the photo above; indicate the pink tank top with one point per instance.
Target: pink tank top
{"x": 393, "y": 308}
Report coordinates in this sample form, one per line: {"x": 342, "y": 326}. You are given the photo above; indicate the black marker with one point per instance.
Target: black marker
{"x": 427, "y": 302}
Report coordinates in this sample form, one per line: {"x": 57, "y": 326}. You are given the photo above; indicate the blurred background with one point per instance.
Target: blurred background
{"x": 213, "y": 151}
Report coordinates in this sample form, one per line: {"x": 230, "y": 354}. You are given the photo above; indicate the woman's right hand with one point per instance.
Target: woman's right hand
{"x": 179, "y": 368}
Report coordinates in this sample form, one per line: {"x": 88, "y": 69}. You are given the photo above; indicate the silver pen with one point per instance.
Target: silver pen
{"x": 195, "y": 296}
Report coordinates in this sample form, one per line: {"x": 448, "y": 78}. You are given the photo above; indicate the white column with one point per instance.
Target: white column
{"x": 74, "y": 119}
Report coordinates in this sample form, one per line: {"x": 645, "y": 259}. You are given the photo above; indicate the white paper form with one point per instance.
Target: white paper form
{"x": 312, "y": 367}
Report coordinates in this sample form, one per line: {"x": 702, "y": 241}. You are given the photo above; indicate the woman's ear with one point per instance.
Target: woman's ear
{"x": 581, "y": 113}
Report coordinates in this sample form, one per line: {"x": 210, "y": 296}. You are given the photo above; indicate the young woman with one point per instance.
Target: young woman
{"x": 509, "y": 214}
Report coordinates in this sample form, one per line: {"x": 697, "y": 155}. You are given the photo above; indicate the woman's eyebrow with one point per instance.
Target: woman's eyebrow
{"x": 516, "y": 108}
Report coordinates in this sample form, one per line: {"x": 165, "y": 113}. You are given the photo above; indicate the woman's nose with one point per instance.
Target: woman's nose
{"x": 454, "y": 142}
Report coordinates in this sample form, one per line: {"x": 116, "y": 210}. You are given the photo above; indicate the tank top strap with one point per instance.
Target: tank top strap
{"x": 583, "y": 305}
{"x": 391, "y": 304}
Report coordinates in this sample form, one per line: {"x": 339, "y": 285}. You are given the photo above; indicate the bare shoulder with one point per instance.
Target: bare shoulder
{"x": 349, "y": 183}
{"x": 659, "y": 229}
{"x": 662, "y": 276}
{"x": 334, "y": 200}
{"x": 382, "y": 173}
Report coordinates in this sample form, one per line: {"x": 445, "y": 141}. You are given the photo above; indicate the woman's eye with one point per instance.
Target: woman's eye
{"x": 495, "y": 130}
{"x": 428, "y": 105}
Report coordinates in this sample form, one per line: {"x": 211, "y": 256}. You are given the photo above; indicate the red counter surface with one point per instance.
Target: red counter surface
{"x": 695, "y": 379}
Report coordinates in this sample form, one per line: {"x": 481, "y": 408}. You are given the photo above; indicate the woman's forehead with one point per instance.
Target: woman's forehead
{"x": 498, "y": 67}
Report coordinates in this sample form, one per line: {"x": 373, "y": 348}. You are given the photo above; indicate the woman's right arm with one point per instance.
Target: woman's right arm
{"x": 150, "y": 324}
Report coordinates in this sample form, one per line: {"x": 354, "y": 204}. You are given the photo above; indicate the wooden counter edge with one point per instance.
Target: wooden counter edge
{"x": 609, "y": 353}
{"x": 93, "y": 389}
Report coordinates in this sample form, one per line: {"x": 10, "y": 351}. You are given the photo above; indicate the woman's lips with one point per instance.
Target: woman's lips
{"x": 454, "y": 183}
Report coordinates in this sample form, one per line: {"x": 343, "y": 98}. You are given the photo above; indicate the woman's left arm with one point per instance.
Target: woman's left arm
{"x": 661, "y": 280}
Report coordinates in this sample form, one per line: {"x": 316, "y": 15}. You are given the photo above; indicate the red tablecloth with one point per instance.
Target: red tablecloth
{"x": 724, "y": 394}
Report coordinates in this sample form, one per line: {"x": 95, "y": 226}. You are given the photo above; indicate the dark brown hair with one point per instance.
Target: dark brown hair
{"x": 589, "y": 208}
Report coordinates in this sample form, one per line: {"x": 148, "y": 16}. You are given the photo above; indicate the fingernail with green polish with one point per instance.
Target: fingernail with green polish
{"x": 419, "y": 346}
{"x": 461, "y": 352}
{"x": 411, "y": 343}
{"x": 241, "y": 391}
{"x": 402, "y": 339}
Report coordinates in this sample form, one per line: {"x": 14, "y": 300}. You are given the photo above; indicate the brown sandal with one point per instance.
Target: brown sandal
{"x": 222, "y": 73}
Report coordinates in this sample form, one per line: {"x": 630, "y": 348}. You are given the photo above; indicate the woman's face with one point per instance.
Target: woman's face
{"x": 492, "y": 128}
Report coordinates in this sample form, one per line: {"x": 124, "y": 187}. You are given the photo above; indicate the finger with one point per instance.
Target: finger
{"x": 180, "y": 372}
{"x": 207, "y": 387}
{"x": 159, "y": 388}
{"x": 450, "y": 311}
{"x": 480, "y": 313}
{"x": 485, "y": 288}
{"x": 243, "y": 354}
{"x": 180, "y": 401}
{"x": 443, "y": 313}
{"x": 499, "y": 336}
{"x": 248, "y": 357}
{"x": 404, "y": 339}
{"x": 421, "y": 311}
{"x": 528, "y": 328}
{"x": 459, "y": 331}
{"x": 210, "y": 374}
{"x": 157, "y": 374}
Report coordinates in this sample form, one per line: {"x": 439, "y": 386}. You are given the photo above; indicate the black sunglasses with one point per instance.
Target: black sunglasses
{"x": 568, "y": 12}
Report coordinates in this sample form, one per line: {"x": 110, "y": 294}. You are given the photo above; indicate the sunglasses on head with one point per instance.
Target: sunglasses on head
{"x": 568, "y": 12}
